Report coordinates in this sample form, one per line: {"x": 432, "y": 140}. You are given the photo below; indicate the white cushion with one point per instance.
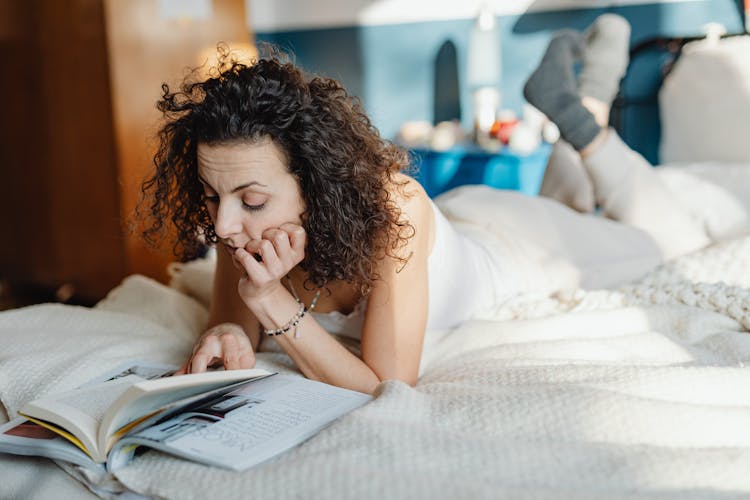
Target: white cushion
{"x": 705, "y": 103}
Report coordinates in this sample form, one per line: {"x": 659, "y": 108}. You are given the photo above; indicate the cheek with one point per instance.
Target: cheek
{"x": 290, "y": 210}
{"x": 301, "y": 210}
{"x": 278, "y": 218}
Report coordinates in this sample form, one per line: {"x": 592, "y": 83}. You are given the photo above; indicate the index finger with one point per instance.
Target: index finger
{"x": 248, "y": 262}
{"x": 208, "y": 350}
{"x": 199, "y": 363}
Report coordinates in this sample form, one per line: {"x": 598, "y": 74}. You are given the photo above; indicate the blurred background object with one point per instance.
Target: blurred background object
{"x": 80, "y": 83}
{"x": 483, "y": 74}
{"x": 384, "y": 51}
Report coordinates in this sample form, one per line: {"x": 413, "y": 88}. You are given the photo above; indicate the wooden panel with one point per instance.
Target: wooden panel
{"x": 146, "y": 50}
{"x": 80, "y": 82}
{"x": 23, "y": 199}
{"x": 79, "y": 147}
{"x": 60, "y": 151}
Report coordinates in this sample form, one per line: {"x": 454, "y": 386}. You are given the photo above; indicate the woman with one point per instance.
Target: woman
{"x": 309, "y": 208}
{"x": 320, "y": 232}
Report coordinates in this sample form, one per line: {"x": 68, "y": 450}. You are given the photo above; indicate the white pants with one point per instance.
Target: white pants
{"x": 629, "y": 190}
{"x": 539, "y": 244}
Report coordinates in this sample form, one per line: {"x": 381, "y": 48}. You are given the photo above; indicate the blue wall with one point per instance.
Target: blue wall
{"x": 392, "y": 67}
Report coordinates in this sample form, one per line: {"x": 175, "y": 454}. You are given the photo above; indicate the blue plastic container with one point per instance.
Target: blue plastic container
{"x": 440, "y": 171}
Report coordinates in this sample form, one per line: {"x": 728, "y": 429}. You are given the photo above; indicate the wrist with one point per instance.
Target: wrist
{"x": 274, "y": 308}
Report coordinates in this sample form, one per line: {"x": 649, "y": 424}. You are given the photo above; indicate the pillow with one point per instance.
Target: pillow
{"x": 705, "y": 103}
{"x": 195, "y": 278}
{"x": 715, "y": 193}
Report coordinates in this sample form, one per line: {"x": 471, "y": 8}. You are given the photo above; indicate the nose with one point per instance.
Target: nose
{"x": 227, "y": 222}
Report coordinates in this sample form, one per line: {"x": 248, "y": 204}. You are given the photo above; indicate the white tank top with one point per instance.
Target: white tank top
{"x": 459, "y": 272}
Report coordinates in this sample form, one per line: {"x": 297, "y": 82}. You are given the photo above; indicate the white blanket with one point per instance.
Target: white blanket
{"x": 635, "y": 393}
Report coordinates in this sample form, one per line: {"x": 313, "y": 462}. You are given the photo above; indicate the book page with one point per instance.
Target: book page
{"x": 149, "y": 395}
{"x": 252, "y": 424}
{"x": 94, "y": 398}
{"x": 93, "y": 401}
{"x": 80, "y": 411}
{"x": 23, "y": 437}
{"x": 143, "y": 369}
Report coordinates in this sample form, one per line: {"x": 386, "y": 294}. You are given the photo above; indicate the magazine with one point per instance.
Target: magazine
{"x": 233, "y": 419}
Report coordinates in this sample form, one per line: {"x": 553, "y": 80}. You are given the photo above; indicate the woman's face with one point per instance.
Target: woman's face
{"x": 248, "y": 190}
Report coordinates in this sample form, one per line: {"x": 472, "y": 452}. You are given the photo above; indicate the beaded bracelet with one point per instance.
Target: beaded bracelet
{"x": 294, "y": 322}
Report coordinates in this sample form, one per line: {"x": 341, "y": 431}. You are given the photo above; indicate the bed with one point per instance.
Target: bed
{"x": 635, "y": 392}
{"x": 639, "y": 391}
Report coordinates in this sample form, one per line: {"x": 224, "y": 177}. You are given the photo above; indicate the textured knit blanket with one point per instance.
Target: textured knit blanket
{"x": 640, "y": 392}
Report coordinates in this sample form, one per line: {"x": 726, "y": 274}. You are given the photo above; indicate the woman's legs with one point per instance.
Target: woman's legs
{"x": 624, "y": 183}
{"x": 566, "y": 180}
{"x": 605, "y": 59}
{"x": 629, "y": 190}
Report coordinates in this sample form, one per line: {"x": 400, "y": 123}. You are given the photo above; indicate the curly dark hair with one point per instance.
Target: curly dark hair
{"x": 342, "y": 164}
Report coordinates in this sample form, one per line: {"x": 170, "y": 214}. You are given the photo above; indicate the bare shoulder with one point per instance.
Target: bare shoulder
{"x": 416, "y": 209}
{"x": 411, "y": 197}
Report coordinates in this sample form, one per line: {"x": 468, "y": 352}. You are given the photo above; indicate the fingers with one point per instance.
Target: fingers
{"x": 281, "y": 243}
{"x": 199, "y": 363}
{"x": 271, "y": 258}
{"x": 297, "y": 239}
{"x": 247, "y": 360}
{"x": 248, "y": 263}
{"x": 221, "y": 344}
{"x": 280, "y": 249}
{"x": 231, "y": 352}
{"x": 287, "y": 242}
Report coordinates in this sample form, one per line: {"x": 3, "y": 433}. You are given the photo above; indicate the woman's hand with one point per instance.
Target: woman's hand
{"x": 280, "y": 250}
{"x": 225, "y": 344}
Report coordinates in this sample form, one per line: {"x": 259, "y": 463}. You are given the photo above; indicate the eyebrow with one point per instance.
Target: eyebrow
{"x": 238, "y": 188}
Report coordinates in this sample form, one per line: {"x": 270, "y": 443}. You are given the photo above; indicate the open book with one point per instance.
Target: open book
{"x": 233, "y": 419}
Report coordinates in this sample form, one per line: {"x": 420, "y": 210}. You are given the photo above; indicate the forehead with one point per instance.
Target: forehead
{"x": 240, "y": 157}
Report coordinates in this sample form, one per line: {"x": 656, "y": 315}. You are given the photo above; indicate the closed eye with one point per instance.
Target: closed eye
{"x": 246, "y": 206}
{"x": 253, "y": 208}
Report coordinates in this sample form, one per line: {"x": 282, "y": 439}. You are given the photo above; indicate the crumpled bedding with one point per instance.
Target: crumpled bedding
{"x": 638, "y": 392}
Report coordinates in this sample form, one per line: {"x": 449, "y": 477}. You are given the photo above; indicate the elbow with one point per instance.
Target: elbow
{"x": 408, "y": 379}
{"x": 372, "y": 387}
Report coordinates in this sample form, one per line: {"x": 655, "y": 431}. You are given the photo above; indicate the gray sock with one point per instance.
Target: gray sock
{"x": 552, "y": 88}
{"x": 605, "y": 57}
